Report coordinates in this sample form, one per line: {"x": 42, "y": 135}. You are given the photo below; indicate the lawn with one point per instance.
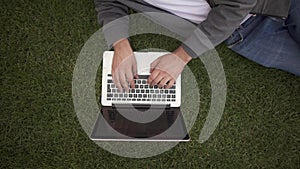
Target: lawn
{"x": 40, "y": 42}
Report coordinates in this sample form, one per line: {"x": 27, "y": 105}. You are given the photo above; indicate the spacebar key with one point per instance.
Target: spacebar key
{"x": 143, "y": 76}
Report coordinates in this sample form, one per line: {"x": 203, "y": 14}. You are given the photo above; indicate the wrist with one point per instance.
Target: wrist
{"x": 122, "y": 44}
{"x": 182, "y": 54}
{"x": 122, "y": 48}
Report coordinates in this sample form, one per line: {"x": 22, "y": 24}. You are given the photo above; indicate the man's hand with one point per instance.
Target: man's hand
{"x": 166, "y": 69}
{"x": 124, "y": 67}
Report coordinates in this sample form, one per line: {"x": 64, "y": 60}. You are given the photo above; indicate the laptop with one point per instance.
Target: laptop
{"x": 146, "y": 113}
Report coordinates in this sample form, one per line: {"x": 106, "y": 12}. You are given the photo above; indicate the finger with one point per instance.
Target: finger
{"x": 157, "y": 79}
{"x": 129, "y": 76}
{"x": 152, "y": 76}
{"x": 164, "y": 81}
{"x": 170, "y": 84}
{"x": 134, "y": 70}
{"x": 117, "y": 82}
{"x": 123, "y": 82}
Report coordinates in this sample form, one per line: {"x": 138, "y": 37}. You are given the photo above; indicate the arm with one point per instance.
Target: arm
{"x": 110, "y": 10}
{"x": 116, "y": 33}
{"x": 224, "y": 17}
{"x": 221, "y": 22}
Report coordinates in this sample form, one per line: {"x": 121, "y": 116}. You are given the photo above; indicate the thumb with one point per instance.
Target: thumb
{"x": 153, "y": 65}
{"x": 134, "y": 70}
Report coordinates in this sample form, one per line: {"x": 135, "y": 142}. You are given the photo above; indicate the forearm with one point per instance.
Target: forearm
{"x": 221, "y": 22}
{"x": 112, "y": 15}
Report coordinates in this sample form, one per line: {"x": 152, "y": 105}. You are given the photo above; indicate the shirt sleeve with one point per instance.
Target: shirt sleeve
{"x": 222, "y": 20}
{"x": 108, "y": 11}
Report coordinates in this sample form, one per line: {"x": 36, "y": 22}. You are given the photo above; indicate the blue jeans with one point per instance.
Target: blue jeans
{"x": 270, "y": 41}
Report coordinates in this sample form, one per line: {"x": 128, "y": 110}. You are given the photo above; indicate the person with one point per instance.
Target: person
{"x": 264, "y": 31}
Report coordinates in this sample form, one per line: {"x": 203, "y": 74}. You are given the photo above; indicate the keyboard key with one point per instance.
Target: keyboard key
{"x": 142, "y": 91}
{"x": 115, "y": 95}
{"x": 108, "y": 99}
{"x": 168, "y": 96}
{"x": 151, "y": 91}
{"x": 130, "y": 95}
{"x": 114, "y": 90}
{"x": 135, "y": 95}
{"x": 125, "y": 95}
{"x": 109, "y": 81}
{"x": 146, "y": 86}
{"x": 109, "y": 95}
{"x": 136, "y": 86}
{"x": 141, "y": 86}
{"x": 137, "y": 91}
{"x": 120, "y": 95}
{"x": 173, "y": 87}
{"x": 144, "y": 95}
{"x": 173, "y": 96}
{"x": 140, "y": 95}
{"x": 132, "y": 91}
{"x": 147, "y": 91}
{"x": 156, "y": 91}
{"x": 112, "y": 86}
{"x": 172, "y": 91}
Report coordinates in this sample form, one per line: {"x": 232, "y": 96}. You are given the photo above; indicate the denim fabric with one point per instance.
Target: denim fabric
{"x": 270, "y": 41}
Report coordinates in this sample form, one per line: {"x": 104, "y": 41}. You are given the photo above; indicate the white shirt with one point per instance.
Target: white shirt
{"x": 193, "y": 10}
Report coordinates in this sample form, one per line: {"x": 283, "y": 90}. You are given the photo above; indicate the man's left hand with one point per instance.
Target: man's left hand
{"x": 166, "y": 69}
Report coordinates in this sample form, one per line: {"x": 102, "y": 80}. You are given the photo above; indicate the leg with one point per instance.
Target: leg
{"x": 293, "y": 21}
{"x": 267, "y": 41}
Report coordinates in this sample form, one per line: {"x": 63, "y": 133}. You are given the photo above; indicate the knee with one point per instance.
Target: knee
{"x": 293, "y": 21}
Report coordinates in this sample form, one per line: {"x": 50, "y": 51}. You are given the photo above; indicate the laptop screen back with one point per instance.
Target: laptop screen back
{"x": 112, "y": 125}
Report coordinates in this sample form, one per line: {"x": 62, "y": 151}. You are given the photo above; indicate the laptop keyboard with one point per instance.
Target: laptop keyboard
{"x": 142, "y": 92}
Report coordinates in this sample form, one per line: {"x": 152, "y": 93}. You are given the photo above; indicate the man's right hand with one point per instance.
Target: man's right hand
{"x": 124, "y": 66}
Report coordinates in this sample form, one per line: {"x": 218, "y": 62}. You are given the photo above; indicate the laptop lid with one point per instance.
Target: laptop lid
{"x": 113, "y": 124}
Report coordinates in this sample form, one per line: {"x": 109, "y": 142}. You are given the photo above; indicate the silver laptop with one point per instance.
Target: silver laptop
{"x": 146, "y": 113}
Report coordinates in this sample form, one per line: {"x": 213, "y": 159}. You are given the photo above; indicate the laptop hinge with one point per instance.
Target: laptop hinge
{"x": 142, "y": 106}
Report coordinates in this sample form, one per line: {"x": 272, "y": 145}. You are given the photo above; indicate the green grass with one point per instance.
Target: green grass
{"x": 40, "y": 42}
